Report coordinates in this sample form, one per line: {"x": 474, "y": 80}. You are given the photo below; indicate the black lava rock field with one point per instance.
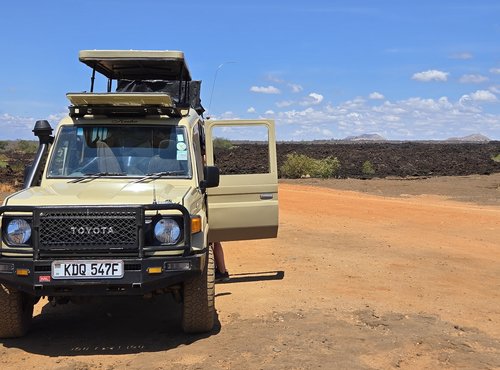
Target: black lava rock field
{"x": 387, "y": 159}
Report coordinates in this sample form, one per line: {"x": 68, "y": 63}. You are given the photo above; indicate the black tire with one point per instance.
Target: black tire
{"x": 199, "y": 299}
{"x": 16, "y": 312}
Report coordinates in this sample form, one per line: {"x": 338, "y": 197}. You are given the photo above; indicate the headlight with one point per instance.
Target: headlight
{"x": 167, "y": 231}
{"x": 18, "y": 232}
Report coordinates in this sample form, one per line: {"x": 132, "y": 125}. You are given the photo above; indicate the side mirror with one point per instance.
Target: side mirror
{"x": 212, "y": 177}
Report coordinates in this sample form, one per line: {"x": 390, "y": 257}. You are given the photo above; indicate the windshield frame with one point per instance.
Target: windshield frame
{"x": 60, "y": 136}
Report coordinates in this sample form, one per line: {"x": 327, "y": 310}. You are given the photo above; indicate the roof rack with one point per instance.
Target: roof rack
{"x": 124, "y": 104}
{"x": 139, "y": 74}
{"x": 124, "y": 111}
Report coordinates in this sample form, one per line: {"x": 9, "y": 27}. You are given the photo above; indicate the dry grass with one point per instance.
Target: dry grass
{"x": 6, "y": 188}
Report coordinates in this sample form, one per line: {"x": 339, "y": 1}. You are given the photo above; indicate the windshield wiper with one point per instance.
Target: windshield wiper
{"x": 157, "y": 175}
{"x": 92, "y": 176}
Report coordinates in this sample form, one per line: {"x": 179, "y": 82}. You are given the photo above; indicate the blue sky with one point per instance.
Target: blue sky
{"x": 406, "y": 70}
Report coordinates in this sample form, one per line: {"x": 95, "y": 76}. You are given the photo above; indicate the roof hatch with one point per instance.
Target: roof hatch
{"x": 138, "y": 64}
{"x": 147, "y": 82}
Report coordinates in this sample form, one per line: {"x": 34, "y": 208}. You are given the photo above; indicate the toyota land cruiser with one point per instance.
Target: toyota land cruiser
{"x": 127, "y": 197}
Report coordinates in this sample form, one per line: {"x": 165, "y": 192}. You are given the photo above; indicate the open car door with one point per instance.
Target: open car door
{"x": 245, "y": 204}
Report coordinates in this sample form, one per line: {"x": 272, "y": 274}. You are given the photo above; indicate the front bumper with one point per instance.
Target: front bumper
{"x": 135, "y": 281}
{"x": 36, "y": 261}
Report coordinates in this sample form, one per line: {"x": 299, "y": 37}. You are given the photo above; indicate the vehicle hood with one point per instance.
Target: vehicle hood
{"x": 99, "y": 193}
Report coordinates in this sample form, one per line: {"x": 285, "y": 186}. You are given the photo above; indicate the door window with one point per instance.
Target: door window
{"x": 241, "y": 150}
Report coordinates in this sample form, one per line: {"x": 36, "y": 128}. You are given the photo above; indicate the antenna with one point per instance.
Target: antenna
{"x": 213, "y": 85}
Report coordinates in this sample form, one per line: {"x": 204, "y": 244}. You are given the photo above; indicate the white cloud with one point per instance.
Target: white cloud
{"x": 495, "y": 71}
{"x": 269, "y": 112}
{"x": 463, "y": 56}
{"x": 284, "y": 103}
{"x": 495, "y": 89}
{"x": 14, "y": 127}
{"x": 472, "y": 78}
{"x": 265, "y": 90}
{"x": 376, "y": 96}
{"x": 466, "y": 102}
{"x": 430, "y": 75}
{"x": 251, "y": 110}
{"x": 274, "y": 78}
{"x": 296, "y": 88}
{"x": 409, "y": 119}
{"x": 353, "y": 104}
{"x": 55, "y": 118}
{"x": 326, "y": 133}
{"x": 392, "y": 118}
{"x": 312, "y": 99}
{"x": 226, "y": 115}
{"x": 483, "y": 96}
{"x": 317, "y": 97}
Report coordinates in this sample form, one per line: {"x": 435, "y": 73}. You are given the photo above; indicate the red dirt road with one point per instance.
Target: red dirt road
{"x": 353, "y": 281}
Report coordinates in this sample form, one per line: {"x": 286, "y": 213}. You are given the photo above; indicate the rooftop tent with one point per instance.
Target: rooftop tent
{"x": 138, "y": 64}
{"x": 146, "y": 71}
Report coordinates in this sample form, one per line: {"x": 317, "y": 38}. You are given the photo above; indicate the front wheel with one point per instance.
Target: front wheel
{"x": 16, "y": 312}
{"x": 199, "y": 296}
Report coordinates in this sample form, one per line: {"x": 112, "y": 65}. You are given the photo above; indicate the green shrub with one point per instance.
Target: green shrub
{"x": 4, "y": 161}
{"x": 326, "y": 168}
{"x": 222, "y": 143}
{"x": 296, "y": 166}
{"x": 496, "y": 158}
{"x": 367, "y": 168}
{"x": 300, "y": 165}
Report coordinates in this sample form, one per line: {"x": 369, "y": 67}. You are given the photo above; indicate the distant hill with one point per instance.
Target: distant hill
{"x": 366, "y": 137}
{"x": 474, "y": 138}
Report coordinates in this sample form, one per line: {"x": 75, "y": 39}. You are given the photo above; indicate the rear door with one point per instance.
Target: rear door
{"x": 245, "y": 204}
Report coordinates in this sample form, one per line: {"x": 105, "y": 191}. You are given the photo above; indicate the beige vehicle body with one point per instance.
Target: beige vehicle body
{"x": 128, "y": 195}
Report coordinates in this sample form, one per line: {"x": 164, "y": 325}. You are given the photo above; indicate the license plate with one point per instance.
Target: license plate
{"x": 100, "y": 269}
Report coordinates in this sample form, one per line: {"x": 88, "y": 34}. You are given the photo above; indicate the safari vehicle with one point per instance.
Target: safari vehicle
{"x": 126, "y": 199}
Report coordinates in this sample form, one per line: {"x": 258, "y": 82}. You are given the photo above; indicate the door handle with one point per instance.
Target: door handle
{"x": 266, "y": 196}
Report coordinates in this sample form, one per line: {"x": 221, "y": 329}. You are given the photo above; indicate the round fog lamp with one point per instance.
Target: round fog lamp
{"x": 18, "y": 232}
{"x": 167, "y": 231}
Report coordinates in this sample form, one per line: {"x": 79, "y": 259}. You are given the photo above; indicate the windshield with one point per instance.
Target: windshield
{"x": 119, "y": 151}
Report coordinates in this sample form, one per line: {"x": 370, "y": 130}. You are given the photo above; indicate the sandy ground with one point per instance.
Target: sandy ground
{"x": 378, "y": 278}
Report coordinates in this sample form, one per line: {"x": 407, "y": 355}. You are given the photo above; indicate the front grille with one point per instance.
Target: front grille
{"x": 85, "y": 229}
{"x": 70, "y": 232}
